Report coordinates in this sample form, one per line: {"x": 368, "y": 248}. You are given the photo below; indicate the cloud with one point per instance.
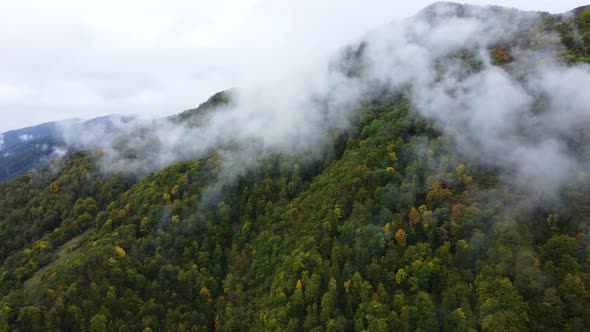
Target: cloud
{"x": 492, "y": 113}
{"x": 158, "y": 57}
{"x": 489, "y": 112}
{"x": 58, "y": 152}
{"x": 91, "y": 134}
{"x": 1, "y": 142}
{"x": 42, "y": 147}
{"x": 25, "y": 138}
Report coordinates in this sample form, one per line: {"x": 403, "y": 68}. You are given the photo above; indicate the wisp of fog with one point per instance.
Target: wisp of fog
{"x": 527, "y": 117}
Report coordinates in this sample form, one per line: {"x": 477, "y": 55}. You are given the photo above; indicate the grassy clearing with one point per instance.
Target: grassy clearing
{"x": 64, "y": 252}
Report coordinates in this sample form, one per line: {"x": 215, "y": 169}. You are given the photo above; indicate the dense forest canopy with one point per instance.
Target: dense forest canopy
{"x": 405, "y": 213}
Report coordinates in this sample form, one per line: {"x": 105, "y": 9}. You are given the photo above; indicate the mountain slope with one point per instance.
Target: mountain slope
{"x": 392, "y": 227}
{"x": 382, "y": 237}
{"x": 22, "y": 150}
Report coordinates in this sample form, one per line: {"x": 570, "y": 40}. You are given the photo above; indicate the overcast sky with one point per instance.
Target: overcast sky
{"x": 81, "y": 59}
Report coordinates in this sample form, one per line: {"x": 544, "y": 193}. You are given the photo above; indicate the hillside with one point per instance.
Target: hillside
{"x": 398, "y": 219}
{"x": 24, "y": 149}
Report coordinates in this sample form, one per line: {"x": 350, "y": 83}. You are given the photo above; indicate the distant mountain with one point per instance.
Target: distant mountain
{"x": 18, "y": 136}
{"x": 22, "y": 150}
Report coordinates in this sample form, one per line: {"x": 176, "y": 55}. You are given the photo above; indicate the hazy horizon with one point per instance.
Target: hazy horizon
{"x": 72, "y": 61}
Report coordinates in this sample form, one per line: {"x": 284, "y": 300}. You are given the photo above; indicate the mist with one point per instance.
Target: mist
{"x": 526, "y": 118}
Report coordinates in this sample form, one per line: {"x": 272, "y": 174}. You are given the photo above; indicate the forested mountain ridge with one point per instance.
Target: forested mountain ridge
{"x": 392, "y": 226}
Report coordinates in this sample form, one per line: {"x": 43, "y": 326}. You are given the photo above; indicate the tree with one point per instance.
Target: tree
{"x": 400, "y": 237}
{"x": 329, "y": 303}
{"x": 501, "y": 307}
{"x": 30, "y": 319}
{"x": 98, "y": 323}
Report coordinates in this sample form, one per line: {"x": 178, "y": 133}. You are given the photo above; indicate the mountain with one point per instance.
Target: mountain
{"x": 436, "y": 179}
{"x": 24, "y": 149}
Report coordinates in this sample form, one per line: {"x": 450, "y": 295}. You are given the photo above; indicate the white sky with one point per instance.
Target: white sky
{"x": 65, "y": 59}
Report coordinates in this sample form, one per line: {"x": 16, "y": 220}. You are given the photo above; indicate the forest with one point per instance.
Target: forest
{"x": 390, "y": 228}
